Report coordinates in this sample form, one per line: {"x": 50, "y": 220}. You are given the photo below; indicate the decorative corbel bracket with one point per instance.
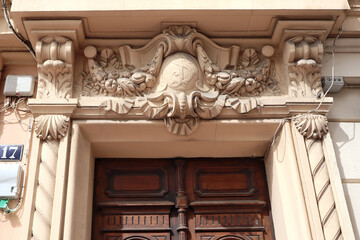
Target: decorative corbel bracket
{"x": 55, "y": 57}
{"x": 302, "y": 57}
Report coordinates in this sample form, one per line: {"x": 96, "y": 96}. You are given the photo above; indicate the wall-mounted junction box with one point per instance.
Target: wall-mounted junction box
{"x": 337, "y": 85}
{"x": 19, "y": 85}
{"x": 10, "y": 176}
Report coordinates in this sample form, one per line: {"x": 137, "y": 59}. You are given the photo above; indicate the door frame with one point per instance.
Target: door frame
{"x": 90, "y": 139}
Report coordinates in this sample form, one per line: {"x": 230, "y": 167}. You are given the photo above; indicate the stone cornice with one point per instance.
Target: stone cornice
{"x": 52, "y": 106}
{"x": 268, "y": 107}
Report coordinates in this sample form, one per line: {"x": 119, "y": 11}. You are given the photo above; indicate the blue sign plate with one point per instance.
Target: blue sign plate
{"x": 11, "y": 152}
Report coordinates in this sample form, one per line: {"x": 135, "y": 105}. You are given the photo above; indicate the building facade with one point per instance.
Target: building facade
{"x": 184, "y": 120}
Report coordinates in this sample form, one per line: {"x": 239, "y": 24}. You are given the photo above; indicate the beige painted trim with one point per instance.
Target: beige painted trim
{"x": 285, "y": 190}
{"x": 32, "y": 182}
{"x": 288, "y": 206}
{"x": 58, "y": 210}
{"x": 350, "y": 180}
{"x": 78, "y": 213}
{"x": 307, "y": 185}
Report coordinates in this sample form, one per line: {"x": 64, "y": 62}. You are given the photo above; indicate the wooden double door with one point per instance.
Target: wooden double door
{"x": 179, "y": 199}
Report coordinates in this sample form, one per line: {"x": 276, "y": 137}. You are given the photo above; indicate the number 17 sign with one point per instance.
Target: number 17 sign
{"x": 11, "y": 152}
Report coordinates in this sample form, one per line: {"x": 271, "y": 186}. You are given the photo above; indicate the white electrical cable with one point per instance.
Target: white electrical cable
{"x": 18, "y": 35}
{"x": 13, "y": 103}
{"x": 284, "y": 120}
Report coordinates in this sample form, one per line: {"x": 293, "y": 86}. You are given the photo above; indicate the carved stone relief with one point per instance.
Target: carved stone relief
{"x": 51, "y": 127}
{"x": 180, "y": 76}
{"x": 55, "y": 56}
{"x": 303, "y": 56}
{"x": 55, "y": 67}
{"x": 314, "y": 127}
{"x": 311, "y": 125}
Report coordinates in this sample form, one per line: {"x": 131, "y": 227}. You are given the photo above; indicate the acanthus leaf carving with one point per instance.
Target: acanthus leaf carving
{"x": 55, "y": 80}
{"x": 55, "y": 67}
{"x": 303, "y": 56}
{"x": 181, "y": 83}
{"x": 305, "y": 79}
{"x": 51, "y": 127}
{"x": 311, "y": 125}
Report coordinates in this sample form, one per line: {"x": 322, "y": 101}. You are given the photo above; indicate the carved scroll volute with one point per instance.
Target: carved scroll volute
{"x": 55, "y": 57}
{"x": 302, "y": 57}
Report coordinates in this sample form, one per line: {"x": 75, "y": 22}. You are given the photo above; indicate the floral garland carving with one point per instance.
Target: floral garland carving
{"x": 120, "y": 81}
{"x": 180, "y": 84}
{"x": 250, "y": 79}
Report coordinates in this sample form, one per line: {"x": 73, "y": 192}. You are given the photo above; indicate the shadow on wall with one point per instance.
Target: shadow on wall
{"x": 340, "y": 138}
{"x": 352, "y": 209}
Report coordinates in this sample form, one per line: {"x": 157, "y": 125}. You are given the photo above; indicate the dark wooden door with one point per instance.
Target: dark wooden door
{"x": 180, "y": 199}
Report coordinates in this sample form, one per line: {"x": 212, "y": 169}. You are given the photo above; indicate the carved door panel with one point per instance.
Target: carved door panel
{"x": 213, "y": 199}
{"x": 228, "y": 200}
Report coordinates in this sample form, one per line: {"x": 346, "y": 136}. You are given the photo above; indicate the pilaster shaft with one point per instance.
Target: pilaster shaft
{"x": 55, "y": 68}
{"x": 313, "y": 127}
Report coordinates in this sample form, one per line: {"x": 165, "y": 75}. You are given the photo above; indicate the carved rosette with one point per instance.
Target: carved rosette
{"x": 303, "y": 55}
{"x": 314, "y": 127}
{"x": 173, "y": 78}
{"x": 55, "y": 67}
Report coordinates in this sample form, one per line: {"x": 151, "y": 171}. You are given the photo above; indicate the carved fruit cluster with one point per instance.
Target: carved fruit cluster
{"x": 111, "y": 78}
{"x": 250, "y": 78}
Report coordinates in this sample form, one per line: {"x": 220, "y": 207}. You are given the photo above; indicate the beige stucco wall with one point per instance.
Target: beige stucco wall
{"x": 12, "y": 132}
{"x": 85, "y": 5}
{"x": 344, "y": 117}
{"x": 344, "y": 127}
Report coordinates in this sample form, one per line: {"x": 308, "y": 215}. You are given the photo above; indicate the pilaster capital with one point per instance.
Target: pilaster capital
{"x": 311, "y": 126}
{"x": 51, "y": 127}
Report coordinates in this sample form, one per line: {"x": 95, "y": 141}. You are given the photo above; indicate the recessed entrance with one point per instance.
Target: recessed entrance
{"x": 168, "y": 199}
